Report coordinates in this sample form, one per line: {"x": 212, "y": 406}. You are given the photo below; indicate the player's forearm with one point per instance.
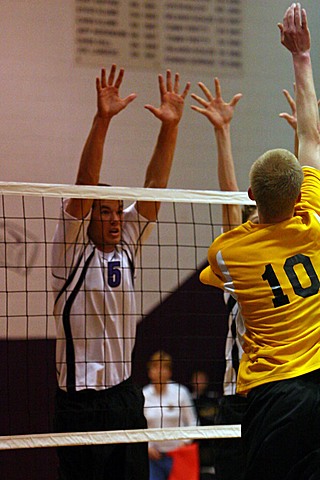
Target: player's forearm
{"x": 92, "y": 154}
{"x": 231, "y": 214}
{"x": 226, "y": 171}
{"x": 158, "y": 171}
{"x": 296, "y": 144}
{"x": 159, "y": 168}
{"x": 90, "y": 165}
{"x": 306, "y": 99}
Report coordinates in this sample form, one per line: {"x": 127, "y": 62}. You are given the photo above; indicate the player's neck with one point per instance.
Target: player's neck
{"x": 160, "y": 388}
{"x": 267, "y": 219}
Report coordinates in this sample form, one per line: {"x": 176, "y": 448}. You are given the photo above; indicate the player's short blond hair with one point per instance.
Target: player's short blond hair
{"x": 275, "y": 180}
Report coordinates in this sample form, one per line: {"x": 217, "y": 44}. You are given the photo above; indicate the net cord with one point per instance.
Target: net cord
{"x": 125, "y": 193}
{"x": 118, "y": 436}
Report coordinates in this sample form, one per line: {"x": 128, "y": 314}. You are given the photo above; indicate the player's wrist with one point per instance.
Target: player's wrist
{"x": 304, "y": 56}
{"x": 222, "y": 128}
{"x": 102, "y": 120}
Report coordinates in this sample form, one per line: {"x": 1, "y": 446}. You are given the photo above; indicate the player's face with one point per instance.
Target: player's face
{"x": 106, "y": 224}
{"x": 159, "y": 372}
{"x": 200, "y": 382}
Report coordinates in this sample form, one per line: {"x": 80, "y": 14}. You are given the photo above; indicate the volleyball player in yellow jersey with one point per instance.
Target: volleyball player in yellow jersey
{"x": 273, "y": 269}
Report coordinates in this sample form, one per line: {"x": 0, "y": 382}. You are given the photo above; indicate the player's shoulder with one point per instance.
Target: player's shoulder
{"x": 179, "y": 388}
{"x": 147, "y": 389}
{"x": 234, "y": 234}
{"x": 311, "y": 178}
{"x": 311, "y": 171}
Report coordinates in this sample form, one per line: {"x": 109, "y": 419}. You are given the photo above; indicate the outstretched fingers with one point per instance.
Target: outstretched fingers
{"x": 119, "y": 78}
{"x": 290, "y": 100}
{"x": 206, "y": 91}
{"x": 199, "y": 110}
{"x": 217, "y": 87}
{"x": 151, "y": 109}
{"x": 290, "y": 16}
{"x": 112, "y": 74}
{"x": 102, "y": 82}
{"x": 200, "y": 100}
{"x": 166, "y": 86}
{"x": 295, "y": 35}
{"x": 176, "y": 85}
{"x": 169, "y": 81}
{"x": 304, "y": 19}
{"x": 287, "y": 21}
{"x": 186, "y": 90}
{"x": 162, "y": 86}
{"x": 129, "y": 99}
{"x": 235, "y": 99}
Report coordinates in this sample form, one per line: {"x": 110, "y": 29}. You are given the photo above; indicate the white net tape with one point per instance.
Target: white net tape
{"x": 121, "y": 436}
{"x": 125, "y": 193}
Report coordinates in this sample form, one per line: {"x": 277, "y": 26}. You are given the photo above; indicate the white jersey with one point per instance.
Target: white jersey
{"x": 233, "y": 348}
{"x": 173, "y": 408}
{"x": 95, "y": 307}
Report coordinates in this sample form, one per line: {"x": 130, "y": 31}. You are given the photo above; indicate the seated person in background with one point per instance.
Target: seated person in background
{"x": 167, "y": 404}
{"x": 205, "y": 400}
{"x": 206, "y": 403}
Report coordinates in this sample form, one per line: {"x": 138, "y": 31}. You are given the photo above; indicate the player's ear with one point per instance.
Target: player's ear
{"x": 250, "y": 194}
{"x": 298, "y": 198}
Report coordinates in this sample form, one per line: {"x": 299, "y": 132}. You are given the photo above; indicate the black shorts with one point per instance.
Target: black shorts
{"x": 229, "y": 459}
{"x": 281, "y": 430}
{"x": 117, "y": 408}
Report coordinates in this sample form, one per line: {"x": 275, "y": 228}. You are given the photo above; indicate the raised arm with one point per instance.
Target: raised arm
{"x": 291, "y": 118}
{"x": 169, "y": 113}
{"x": 109, "y": 104}
{"x": 295, "y": 36}
{"x": 220, "y": 114}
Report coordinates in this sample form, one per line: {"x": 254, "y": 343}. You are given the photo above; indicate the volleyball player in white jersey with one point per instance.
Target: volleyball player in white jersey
{"x": 95, "y": 250}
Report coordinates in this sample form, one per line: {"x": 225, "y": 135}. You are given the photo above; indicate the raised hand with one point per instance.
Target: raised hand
{"x": 294, "y": 31}
{"x": 290, "y": 118}
{"x": 218, "y": 111}
{"x": 109, "y": 101}
{"x": 171, "y": 102}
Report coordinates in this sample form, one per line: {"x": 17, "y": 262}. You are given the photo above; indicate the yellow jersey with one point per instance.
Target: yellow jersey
{"x": 273, "y": 271}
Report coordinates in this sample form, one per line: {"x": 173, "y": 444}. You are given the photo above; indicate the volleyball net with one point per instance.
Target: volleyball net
{"x": 179, "y": 315}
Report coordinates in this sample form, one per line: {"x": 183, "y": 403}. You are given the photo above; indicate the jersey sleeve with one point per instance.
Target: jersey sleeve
{"x": 310, "y": 191}
{"x": 208, "y": 277}
{"x": 70, "y": 239}
{"x": 136, "y": 229}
